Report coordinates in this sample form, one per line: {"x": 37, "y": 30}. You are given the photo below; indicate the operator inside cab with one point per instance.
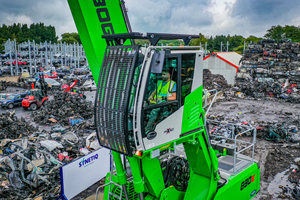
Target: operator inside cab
{"x": 161, "y": 89}
{"x": 165, "y": 88}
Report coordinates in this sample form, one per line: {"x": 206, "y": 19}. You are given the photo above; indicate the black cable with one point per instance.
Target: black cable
{"x": 225, "y": 181}
{"x": 177, "y": 173}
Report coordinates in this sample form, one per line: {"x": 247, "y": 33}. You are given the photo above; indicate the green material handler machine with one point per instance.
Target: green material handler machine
{"x": 149, "y": 112}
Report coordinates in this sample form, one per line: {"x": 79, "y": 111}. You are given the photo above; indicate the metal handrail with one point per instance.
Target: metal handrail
{"x": 250, "y": 144}
{"x": 205, "y": 94}
{"x": 253, "y": 145}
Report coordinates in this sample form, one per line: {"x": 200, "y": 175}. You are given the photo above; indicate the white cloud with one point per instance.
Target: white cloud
{"x": 18, "y": 19}
{"x": 209, "y": 17}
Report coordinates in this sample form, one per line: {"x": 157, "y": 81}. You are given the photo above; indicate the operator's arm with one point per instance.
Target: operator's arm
{"x": 174, "y": 93}
{"x": 173, "y": 97}
{"x": 152, "y": 95}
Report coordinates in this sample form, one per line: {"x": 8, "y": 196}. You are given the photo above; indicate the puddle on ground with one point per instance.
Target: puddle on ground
{"x": 281, "y": 179}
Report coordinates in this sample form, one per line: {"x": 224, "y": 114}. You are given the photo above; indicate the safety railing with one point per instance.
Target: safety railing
{"x": 206, "y": 92}
{"x": 233, "y": 138}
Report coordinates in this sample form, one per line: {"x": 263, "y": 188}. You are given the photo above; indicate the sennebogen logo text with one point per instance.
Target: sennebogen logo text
{"x": 87, "y": 161}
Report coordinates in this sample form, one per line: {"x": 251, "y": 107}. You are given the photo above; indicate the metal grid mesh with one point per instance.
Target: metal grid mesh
{"x": 113, "y": 92}
{"x": 132, "y": 195}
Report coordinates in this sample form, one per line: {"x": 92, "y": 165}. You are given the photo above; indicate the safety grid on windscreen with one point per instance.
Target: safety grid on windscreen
{"x": 112, "y": 98}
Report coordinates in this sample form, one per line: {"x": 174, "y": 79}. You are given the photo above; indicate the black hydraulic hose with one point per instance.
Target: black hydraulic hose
{"x": 177, "y": 173}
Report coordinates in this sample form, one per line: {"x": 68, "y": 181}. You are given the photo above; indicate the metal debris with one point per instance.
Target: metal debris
{"x": 64, "y": 106}
{"x": 12, "y": 127}
{"x": 270, "y": 70}
{"x": 214, "y": 81}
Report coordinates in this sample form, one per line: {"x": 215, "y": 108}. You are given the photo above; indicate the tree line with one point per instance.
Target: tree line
{"x": 236, "y": 42}
{"x": 41, "y": 33}
{"x": 38, "y": 32}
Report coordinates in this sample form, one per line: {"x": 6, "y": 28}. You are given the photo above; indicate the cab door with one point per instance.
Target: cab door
{"x": 162, "y": 97}
{"x": 18, "y": 100}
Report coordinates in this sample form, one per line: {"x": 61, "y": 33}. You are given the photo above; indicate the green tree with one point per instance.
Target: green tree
{"x": 235, "y": 41}
{"x": 292, "y": 32}
{"x": 2, "y": 41}
{"x": 275, "y": 32}
{"x": 196, "y": 42}
{"x": 69, "y": 40}
{"x": 252, "y": 39}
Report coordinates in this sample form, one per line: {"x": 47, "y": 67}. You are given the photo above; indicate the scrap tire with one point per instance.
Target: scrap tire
{"x": 33, "y": 106}
{"x": 10, "y": 106}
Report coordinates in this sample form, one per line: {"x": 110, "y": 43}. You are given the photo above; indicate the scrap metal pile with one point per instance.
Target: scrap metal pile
{"x": 270, "y": 69}
{"x": 12, "y": 127}
{"x": 276, "y": 132}
{"x": 64, "y": 106}
{"x": 30, "y": 159}
{"x": 273, "y": 120}
{"x": 214, "y": 81}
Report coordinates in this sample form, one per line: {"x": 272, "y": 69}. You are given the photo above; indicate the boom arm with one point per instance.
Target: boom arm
{"x": 94, "y": 19}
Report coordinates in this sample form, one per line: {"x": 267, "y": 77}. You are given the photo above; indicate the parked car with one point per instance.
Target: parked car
{"x": 70, "y": 77}
{"x": 3, "y": 56}
{"x": 52, "y": 84}
{"x": 63, "y": 72}
{"x": 26, "y": 48}
{"x": 24, "y": 56}
{"x": 18, "y": 61}
{"x": 43, "y": 48}
{"x": 57, "y": 55}
{"x": 13, "y": 55}
{"x": 5, "y": 70}
{"x": 81, "y": 71}
{"x": 88, "y": 76}
{"x": 89, "y": 85}
{"x": 12, "y": 101}
{"x": 51, "y": 75}
{"x": 4, "y": 95}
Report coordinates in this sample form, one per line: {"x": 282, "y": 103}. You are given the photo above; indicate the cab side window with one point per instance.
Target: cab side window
{"x": 187, "y": 73}
{"x": 161, "y": 91}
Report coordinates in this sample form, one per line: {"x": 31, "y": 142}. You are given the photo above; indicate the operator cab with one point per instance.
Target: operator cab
{"x": 164, "y": 95}
{"x": 37, "y": 93}
{"x": 139, "y": 103}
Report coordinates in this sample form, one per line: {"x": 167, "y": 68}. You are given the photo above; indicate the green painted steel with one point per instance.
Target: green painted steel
{"x": 171, "y": 193}
{"x": 233, "y": 189}
{"x": 202, "y": 158}
{"x": 120, "y": 169}
{"x": 203, "y": 180}
{"x": 137, "y": 174}
{"x": 191, "y": 119}
{"x": 154, "y": 180}
{"x": 94, "y": 19}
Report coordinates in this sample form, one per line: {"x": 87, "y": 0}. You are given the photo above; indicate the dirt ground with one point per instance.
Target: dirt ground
{"x": 278, "y": 161}
{"x": 10, "y": 78}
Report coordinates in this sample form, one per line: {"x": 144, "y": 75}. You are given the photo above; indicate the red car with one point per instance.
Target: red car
{"x": 19, "y": 62}
{"x": 48, "y": 75}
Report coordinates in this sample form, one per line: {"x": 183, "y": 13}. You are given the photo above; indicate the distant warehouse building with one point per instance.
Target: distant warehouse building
{"x": 224, "y": 63}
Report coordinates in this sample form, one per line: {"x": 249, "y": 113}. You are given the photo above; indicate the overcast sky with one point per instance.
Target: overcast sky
{"x": 209, "y": 17}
